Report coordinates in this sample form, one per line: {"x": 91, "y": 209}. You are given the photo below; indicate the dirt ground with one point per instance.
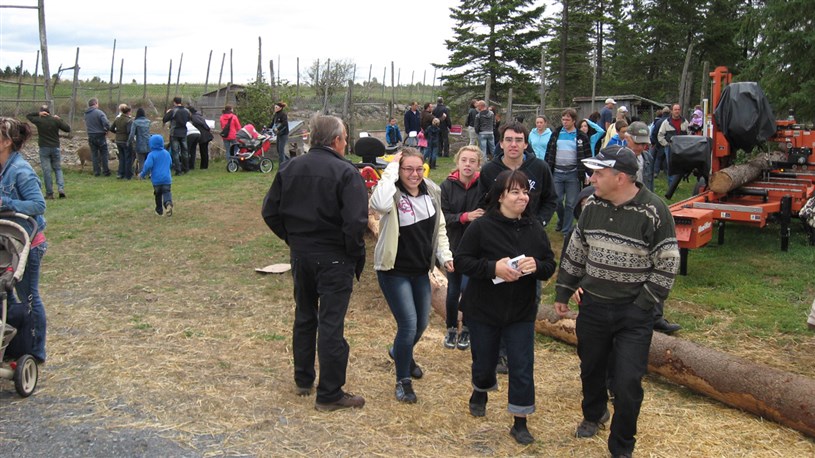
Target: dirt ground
{"x": 169, "y": 344}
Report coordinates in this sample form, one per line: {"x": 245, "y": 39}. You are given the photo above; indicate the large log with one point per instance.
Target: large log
{"x": 735, "y": 176}
{"x": 788, "y": 399}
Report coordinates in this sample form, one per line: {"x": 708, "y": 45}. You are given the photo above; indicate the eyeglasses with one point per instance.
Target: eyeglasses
{"x": 514, "y": 139}
{"x": 412, "y": 170}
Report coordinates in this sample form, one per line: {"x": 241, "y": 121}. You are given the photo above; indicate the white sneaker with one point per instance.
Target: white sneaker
{"x": 168, "y": 210}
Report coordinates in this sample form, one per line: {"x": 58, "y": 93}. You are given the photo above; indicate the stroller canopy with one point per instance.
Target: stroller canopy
{"x": 14, "y": 246}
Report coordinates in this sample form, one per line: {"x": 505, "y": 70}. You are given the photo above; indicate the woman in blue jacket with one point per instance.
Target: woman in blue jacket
{"x": 20, "y": 192}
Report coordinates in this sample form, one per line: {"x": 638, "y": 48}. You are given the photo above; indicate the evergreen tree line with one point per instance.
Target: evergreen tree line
{"x": 640, "y": 47}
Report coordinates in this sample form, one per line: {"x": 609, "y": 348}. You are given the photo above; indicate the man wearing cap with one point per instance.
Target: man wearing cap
{"x": 624, "y": 255}
{"x": 607, "y": 113}
{"x": 48, "y": 128}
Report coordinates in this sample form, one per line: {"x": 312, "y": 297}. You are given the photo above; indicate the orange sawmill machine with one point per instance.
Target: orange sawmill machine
{"x": 777, "y": 195}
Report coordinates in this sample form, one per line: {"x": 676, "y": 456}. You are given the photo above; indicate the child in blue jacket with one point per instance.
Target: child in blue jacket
{"x": 158, "y": 165}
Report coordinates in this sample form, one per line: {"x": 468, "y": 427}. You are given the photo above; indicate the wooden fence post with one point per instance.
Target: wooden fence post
{"x": 178, "y": 75}
{"x": 19, "y": 90}
{"x": 110, "y": 81}
{"x": 206, "y": 81}
{"x": 144, "y": 94}
{"x": 220, "y": 75}
{"x": 46, "y": 70}
{"x": 34, "y": 88}
{"x": 74, "y": 88}
{"x": 169, "y": 81}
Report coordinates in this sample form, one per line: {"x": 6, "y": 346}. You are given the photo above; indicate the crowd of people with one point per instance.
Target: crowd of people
{"x": 484, "y": 225}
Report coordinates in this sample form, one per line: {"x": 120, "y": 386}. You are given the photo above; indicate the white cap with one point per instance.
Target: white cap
{"x": 611, "y": 101}
{"x": 622, "y": 109}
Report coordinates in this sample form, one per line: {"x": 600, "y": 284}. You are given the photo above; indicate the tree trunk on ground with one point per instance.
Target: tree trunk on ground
{"x": 788, "y": 399}
{"x": 735, "y": 176}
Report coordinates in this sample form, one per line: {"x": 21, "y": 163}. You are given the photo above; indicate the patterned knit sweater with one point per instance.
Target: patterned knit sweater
{"x": 621, "y": 254}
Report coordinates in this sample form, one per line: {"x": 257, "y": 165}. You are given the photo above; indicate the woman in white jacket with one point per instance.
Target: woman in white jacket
{"x": 411, "y": 234}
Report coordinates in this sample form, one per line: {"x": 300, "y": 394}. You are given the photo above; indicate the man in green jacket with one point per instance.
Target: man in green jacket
{"x": 48, "y": 127}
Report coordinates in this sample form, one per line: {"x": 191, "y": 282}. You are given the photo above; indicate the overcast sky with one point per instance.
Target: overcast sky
{"x": 365, "y": 32}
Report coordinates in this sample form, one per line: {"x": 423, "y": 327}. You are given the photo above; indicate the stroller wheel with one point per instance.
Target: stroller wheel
{"x": 25, "y": 375}
{"x": 266, "y": 165}
{"x": 232, "y": 166}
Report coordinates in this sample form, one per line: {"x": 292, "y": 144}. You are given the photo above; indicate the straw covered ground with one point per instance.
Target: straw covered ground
{"x": 161, "y": 325}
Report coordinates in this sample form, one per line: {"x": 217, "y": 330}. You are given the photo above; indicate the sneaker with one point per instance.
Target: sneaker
{"x": 62, "y": 195}
{"x": 522, "y": 436}
{"x": 415, "y": 371}
{"x": 347, "y": 401}
{"x": 502, "y": 367}
{"x": 304, "y": 390}
{"x": 50, "y": 196}
{"x": 450, "y": 340}
{"x": 404, "y": 391}
{"x": 666, "y": 327}
{"x": 463, "y": 339}
{"x": 158, "y": 213}
{"x": 169, "y": 209}
{"x": 589, "y": 428}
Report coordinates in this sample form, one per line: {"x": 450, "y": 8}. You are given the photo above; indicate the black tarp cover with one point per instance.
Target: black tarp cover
{"x": 744, "y": 116}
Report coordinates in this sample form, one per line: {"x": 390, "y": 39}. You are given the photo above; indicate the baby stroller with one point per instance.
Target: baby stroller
{"x": 14, "y": 246}
{"x": 249, "y": 150}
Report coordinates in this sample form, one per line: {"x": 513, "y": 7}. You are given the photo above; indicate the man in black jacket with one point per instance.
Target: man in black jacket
{"x": 318, "y": 205}
{"x": 443, "y": 113}
{"x": 178, "y": 116}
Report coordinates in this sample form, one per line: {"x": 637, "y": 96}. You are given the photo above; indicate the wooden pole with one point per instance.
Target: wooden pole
{"x": 206, "y": 81}
{"x": 410, "y": 92}
{"x": 74, "y": 89}
{"x": 393, "y": 93}
{"x": 110, "y": 81}
{"x": 19, "y": 89}
{"x": 298, "y": 78}
{"x": 433, "y": 85}
{"x": 169, "y": 81}
{"x": 178, "y": 74}
{"x": 509, "y": 106}
{"x": 259, "y": 75}
{"x": 46, "y": 70}
{"x": 272, "y": 79}
{"x": 424, "y": 78}
{"x": 220, "y": 75}
{"x": 144, "y": 90}
{"x": 121, "y": 73}
{"x": 384, "y": 74}
{"x": 36, "y": 70}
{"x": 350, "y": 108}
{"x": 231, "y": 68}
{"x": 326, "y": 77}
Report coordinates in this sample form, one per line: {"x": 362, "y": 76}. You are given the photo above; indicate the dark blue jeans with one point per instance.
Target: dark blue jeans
{"x": 624, "y": 331}
{"x": 322, "y": 289}
{"x": 456, "y": 283}
{"x": 125, "y": 160}
{"x": 99, "y": 153}
{"x": 409, "y": 301}
{"x": 520, "y": 340}
{"x": 567, "y": 187}
{"x": 282, "y": 142}
{"x": 28, "y": 292}
{"x": 163, "y": 196}
{"x": 51, "y": 163}
{"x": 178, "y": 147}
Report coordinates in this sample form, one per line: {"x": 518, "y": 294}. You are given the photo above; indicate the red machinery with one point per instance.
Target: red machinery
{"x": 779, "y": 194}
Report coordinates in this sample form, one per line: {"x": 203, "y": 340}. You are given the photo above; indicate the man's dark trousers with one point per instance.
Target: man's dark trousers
{"x": 626, "y": 330}
{"x": 322, "y": 289}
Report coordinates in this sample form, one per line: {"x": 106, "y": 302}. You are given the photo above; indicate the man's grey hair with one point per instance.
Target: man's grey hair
{"x": 323, "y": 129}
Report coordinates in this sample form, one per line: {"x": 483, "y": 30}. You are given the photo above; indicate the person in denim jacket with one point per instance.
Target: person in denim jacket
{"x": 20, "y": 192}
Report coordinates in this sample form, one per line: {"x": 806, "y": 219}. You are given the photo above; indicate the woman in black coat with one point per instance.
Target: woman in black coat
{"x": 503, "y": 253}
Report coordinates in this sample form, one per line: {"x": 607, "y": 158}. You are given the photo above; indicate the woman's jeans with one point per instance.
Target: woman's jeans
{"x": 50, "y": 162}
{"x": 456, "y": 283}
{"x": 567, "y": 185}
{"x": 409, "y": 301}
{"x": 520, "y": 340}
{"x": 28, "y": 292}
{"x": 282, "y": 143}
{"x": 125, "y": 160}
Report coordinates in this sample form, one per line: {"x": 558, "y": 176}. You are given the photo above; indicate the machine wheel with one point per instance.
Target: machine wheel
{"x": 266, "y": 165}
{"x": 231, "y": 166}
{"x": 25, "y": 375}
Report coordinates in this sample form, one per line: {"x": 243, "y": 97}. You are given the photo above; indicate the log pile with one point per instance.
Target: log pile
{"x": 735, "y": 176}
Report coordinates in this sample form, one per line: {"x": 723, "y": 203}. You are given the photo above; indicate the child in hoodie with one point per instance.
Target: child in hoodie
{"x": 158, "y": 165}
{"x": 459, "y": 204}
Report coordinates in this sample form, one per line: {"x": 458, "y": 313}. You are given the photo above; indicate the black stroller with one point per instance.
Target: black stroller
{"x": 14, "y": 246}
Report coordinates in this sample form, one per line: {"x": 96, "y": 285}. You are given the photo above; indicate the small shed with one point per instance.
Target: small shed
{"x": 211, "y": 104}
{"x": 645, "y": 109}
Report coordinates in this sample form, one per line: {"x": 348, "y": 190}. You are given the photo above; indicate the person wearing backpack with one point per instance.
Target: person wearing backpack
{"x": 230, "y": 125}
